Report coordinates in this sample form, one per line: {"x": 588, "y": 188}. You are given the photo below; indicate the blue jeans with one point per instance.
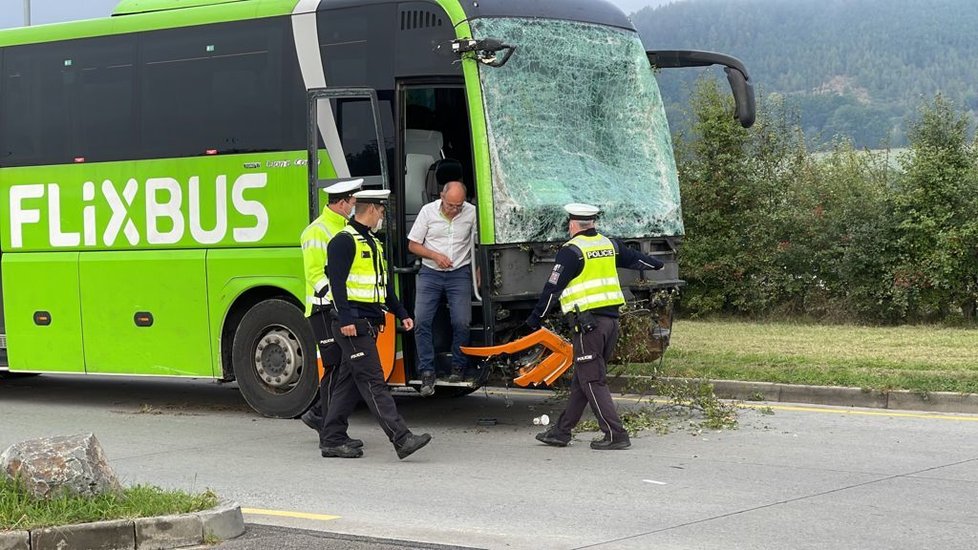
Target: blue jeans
{"x": 456, "y": 287}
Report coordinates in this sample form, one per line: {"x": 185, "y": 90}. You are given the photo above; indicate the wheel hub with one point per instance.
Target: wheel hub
{"x": 278, "y": 358}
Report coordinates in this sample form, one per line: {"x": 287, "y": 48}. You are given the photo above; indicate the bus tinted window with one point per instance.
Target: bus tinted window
{"x": 20, "y": 137}
{"x": 103, "y": 126}
{"x": 353, "y": 52}
{"x": 230, "y": 87}
{"x": 68, "y": 100}
{"x": 227, "y": 88}
{"x": 356, "y": 55}
{"x": 355, "y": 122}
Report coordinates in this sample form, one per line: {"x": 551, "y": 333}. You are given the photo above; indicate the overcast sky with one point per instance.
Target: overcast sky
{"x": 52, "y": 11}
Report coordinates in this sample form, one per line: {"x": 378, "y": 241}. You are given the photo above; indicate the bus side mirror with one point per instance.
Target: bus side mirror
{"x": 743, "y": 92}
{"x": 740, "y": 84}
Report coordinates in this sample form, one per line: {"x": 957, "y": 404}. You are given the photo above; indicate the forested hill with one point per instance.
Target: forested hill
{"x": 852, "y": 67}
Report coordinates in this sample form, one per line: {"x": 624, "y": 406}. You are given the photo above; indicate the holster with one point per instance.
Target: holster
{"x": 582, "y": 321}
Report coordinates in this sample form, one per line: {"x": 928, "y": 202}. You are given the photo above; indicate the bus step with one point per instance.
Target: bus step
{"x": 462, "y": 384}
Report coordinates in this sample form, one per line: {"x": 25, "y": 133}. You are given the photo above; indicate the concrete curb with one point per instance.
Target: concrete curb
{"x": 948, "y": 402}
{"x": 154, "y": 533}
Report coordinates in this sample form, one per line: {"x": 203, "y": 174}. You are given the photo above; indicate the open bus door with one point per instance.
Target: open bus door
{"x": 325, "y": 108}
{"x": 435, "y": 147}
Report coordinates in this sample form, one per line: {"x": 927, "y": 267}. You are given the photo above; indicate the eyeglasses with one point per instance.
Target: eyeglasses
{"x": 451, "y": 206}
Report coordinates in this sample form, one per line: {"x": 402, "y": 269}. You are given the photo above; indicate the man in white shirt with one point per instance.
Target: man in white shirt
{"x": 442, "y": 235}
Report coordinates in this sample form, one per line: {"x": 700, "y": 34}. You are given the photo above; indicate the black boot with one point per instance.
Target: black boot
{"x": 410, "y": 444}
{"x": 312, "y": 420}
{"x": 342, "y": 451}
{"x": 608, "y": 443}
{"x": 427, "y": 384}
{"x": 552, "y": 438}
{"x": 458, "y": 374}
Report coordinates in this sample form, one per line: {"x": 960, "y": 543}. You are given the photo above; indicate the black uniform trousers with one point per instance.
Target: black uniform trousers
{"x": 592, "y": 351}
{"x": 329, "y": 352}
{"x": 360, "y": 375}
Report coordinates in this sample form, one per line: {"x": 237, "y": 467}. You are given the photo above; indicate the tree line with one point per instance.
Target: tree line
{"x": 852, "y": 68}
{"x": 775, "y": 229}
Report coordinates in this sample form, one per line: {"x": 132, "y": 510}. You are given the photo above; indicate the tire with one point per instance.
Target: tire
{"x": 281, "y": 379}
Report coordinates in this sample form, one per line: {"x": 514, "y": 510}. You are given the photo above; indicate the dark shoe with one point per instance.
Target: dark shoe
{"x": 311, "y": 420}
{"x": 457, "y": 375}
{"x": 427, "y": 384}
{"x": 606, "y": 444}
{"x": 411, "y": 444}
{"x": 343, "y": 451}
{"x": 551, "y": 438}
{"x": 350, "y": 442}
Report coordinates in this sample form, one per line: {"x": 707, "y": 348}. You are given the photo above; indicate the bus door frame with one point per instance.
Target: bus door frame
{"x": 408, "y": 272}
{"x": 313, "y": 97}
{"x": 386, "y": 342}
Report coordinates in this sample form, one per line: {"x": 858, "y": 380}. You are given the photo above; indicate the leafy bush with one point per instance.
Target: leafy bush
{"x": 773, "y": 230}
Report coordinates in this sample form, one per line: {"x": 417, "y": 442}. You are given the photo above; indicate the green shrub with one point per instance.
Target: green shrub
{"x": 776, "y": 231}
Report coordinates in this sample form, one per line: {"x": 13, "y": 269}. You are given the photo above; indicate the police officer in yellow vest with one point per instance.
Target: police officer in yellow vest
{"x": 358, "y": 288}
{"x": 585, "y": 278}
{"x": 314, "y": 239}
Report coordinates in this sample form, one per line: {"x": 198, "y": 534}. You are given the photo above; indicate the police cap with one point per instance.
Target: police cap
{"x": 343, "y": 189}
{"x": 584, "y": 212}
{"x": 373, "y": 196}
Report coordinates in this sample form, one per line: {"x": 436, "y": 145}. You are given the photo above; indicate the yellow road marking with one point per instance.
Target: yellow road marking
{"x": 815, "y": 409}
{"x": 288, "y": 514}
{"x": 930, "y": 416}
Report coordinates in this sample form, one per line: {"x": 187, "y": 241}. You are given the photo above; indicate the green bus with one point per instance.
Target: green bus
{"x": 157, "y": 167}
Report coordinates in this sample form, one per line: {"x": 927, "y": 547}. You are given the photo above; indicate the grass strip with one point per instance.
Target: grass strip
{"x": 19, "y": 510}
{"x": 916, "y": 358}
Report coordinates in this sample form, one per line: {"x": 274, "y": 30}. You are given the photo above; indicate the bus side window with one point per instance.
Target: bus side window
{"x": 36, "y": 104}
{"x": 221, "y": 87}
{"x": 103, "y": 101}
{"x": 355, "y": 122}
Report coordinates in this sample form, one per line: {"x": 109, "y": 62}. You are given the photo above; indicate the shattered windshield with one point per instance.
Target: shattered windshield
{"x": 576, "y": 116}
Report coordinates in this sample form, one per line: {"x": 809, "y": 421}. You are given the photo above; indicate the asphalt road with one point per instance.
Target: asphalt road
{"x": 803, "y": 477}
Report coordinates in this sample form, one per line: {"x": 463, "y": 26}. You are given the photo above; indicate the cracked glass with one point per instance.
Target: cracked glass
{"x": 576, "y": 116}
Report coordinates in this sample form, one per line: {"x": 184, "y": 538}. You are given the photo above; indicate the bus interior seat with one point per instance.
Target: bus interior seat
{"x": 421, "y": 148}
{"x": 440, "y": 173}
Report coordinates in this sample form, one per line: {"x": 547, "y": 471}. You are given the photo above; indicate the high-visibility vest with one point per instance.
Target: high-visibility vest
{"x": 367, "y": 282}
{"x": 314, "y": 239}
{"x": 597, "y": 285}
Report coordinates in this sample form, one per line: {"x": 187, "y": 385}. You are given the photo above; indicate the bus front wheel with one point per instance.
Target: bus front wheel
{"x": 273, "y": 355}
